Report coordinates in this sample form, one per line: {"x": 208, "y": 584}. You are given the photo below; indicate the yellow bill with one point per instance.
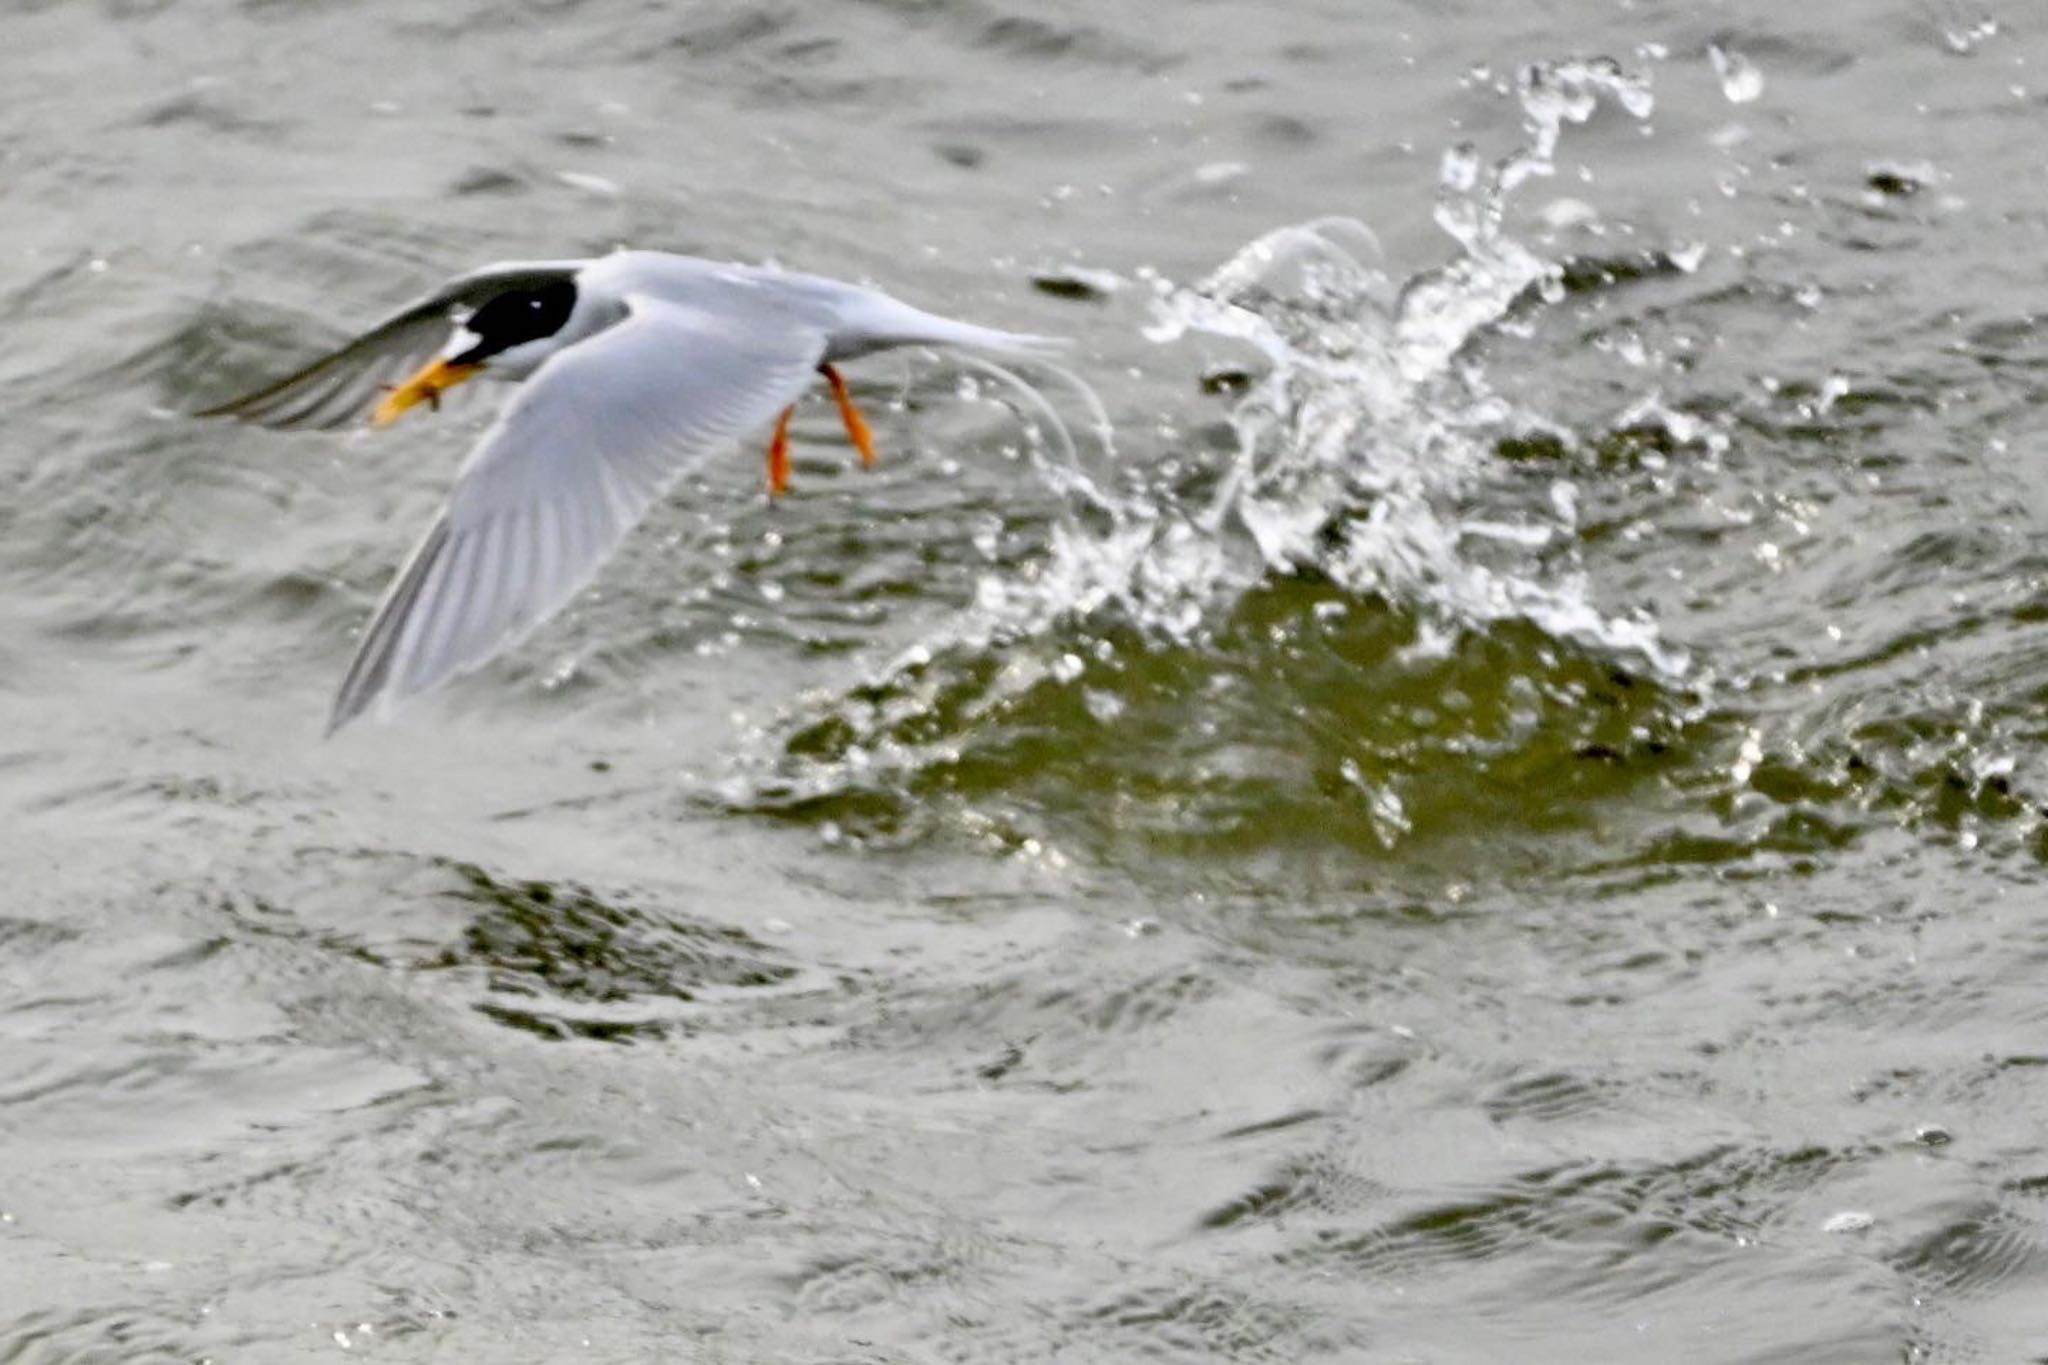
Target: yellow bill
{"x": 434, "y": 379}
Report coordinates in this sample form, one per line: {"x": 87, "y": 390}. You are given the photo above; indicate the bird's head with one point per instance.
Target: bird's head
{"x": 509, "y": 335}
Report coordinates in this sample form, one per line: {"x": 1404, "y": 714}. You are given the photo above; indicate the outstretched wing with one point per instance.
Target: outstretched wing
{"x": 345, "y": 386}
{"x": 573, "y": 462}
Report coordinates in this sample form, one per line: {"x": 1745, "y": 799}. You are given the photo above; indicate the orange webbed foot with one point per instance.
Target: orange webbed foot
{"x": 778, "y": 454}
{"x": 856, "y": 425}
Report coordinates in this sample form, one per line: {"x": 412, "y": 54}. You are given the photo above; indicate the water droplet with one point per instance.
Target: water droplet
{"x": 1103, "y": 706}
{"x": 1741, "y": 81}
{"x": 1848, "y": 1222}
{"x": 1964, "y": 40}
{"x": 1459, "y": 169}
{"x": 1751, "y": 754}
{"x": 589, "y": 184}
{"x": 1567, "y": 213}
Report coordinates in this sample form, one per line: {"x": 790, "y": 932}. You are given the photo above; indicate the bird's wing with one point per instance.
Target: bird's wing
{"x": 345, "y": 385}
{"x": 575, "y": 459}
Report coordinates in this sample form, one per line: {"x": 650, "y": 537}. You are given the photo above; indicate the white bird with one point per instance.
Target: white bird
{"x": 642, "y": 364}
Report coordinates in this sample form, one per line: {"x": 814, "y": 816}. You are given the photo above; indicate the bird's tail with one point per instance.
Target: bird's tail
{"x": 914, "y": 326}
{"x": 994, "y": 341}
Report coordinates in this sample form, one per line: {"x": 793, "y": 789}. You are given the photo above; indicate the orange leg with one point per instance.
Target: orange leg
{"x": 778, "y": 455}
{"x": 856, "y": 425}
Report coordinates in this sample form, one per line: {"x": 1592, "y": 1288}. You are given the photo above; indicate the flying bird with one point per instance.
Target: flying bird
{"x": 636, "y": 367}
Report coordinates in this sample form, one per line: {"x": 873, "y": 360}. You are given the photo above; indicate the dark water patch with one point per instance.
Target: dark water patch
{"x": 492, "y": 182}
{"x": 1046, "y": 40}
{"x": 1273, "y": 1125}
{"x": 1549, "y": 1097}
{"x": 1327, "y": 1184}
{"x": 1975, "y": 1252}
{"x": 126, "y": 1331}
{"x": 1792, "y": 840}
{"x": 22, "y": 938}
{"x": 1323, "y": 723}
{"x": 1611, "y": 1218}
{"x": 1587, "y": 274}
{"x": 211, "y": 115}
{"x": 965, "y": 155}
{"x": 941, "y": 1274}
{"x": 1028, "y": 1034}
{"x": 780, "y": 86}
{"x": 560, "y": 1026}
{"x": 564, "y": 963}
{"x": 1138, "y": 1006}
{"x": 1897, "y": 179}
{"x": 264, "y": 918}
{"x": 1360, "y": 1058}
{"x": 1213, "y": 1319}
{"x": 1076, "y": 283}
{"x": 2001, "y": 343}
{"x": 220, "y": 351}
{"x": 721, "y": 31}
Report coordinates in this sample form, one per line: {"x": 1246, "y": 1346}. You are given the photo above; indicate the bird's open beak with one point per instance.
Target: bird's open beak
{"x": 434, "y": 379}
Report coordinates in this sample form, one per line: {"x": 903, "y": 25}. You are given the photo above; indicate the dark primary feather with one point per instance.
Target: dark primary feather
{"x": 345, "y": 386}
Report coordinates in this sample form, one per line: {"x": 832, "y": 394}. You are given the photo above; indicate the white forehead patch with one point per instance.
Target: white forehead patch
{"x": 461, "y": 341}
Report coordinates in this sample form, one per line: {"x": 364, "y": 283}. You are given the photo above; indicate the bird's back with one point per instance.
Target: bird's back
{"x": 854, "y": 320}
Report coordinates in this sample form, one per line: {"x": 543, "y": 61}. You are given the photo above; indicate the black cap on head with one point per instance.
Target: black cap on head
{"x": 516, "y": 318}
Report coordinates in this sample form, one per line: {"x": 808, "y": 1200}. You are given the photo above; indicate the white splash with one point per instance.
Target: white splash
{"x": 1358, "y": 447}
{"x": 1741, "y": 81}
{"x": 1364, "y": 455}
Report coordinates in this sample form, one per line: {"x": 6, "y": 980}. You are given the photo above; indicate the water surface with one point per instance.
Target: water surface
{"x": 1503, "y": 820}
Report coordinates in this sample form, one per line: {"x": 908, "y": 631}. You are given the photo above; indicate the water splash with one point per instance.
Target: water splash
{"x": 1963, "y": 32}
{"x": 1355, "y": 448}
{"x": 1364, "y": 458}
{"x": 1741, "y": 81}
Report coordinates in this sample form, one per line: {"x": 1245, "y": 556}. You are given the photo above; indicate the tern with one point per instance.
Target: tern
{"x": 637, "y": 366}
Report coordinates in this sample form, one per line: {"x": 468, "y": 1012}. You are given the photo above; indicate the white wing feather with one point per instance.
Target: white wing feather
{"x": 578, "y": 456}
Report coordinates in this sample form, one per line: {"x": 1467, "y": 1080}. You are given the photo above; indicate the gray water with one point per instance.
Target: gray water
{"x": 1501, "y": 820}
